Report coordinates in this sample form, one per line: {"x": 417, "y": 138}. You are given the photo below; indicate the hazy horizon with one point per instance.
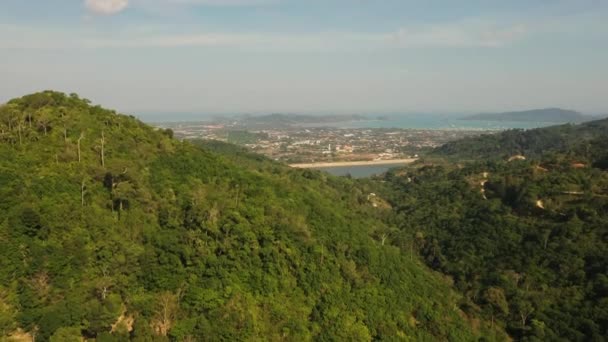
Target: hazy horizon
{"x": 290, "y": 56}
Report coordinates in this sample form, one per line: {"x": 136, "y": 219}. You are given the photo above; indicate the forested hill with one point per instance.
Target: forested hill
{"x": 587, "y": 141}
{"x": 113, "y": 231}
{"x": 554, "y": 115}
{"x": 525, "y": 240}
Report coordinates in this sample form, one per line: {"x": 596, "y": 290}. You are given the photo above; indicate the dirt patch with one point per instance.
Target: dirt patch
{"x": 124, "y": 321}
{"x": 20, "y": 336}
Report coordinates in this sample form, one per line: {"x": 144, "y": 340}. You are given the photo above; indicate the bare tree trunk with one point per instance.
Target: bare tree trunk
{"x": 120, "y": 209}
{"x": 79, "y": 139}
{"x": 103, "y": 142}
{"x": 166, "y": 313}
{"x": 65, "y": 134}
{"x": 19, "y": 130}
{"x": 104, "y": 286}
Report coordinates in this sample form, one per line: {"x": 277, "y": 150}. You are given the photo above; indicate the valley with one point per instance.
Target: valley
{"x": 303, "y": 171}
{"x": 322, "y": 144}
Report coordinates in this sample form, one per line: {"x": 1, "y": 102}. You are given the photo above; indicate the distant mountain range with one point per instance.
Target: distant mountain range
{"x": 302, "y": 118}
{"x": 555, "y": 115}
{"x": 291, "y": 120}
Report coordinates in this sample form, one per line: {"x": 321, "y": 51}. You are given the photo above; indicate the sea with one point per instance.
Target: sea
{"x": 411, "y": 121}
{"x": 358, "y": 171}
{"x": 439, "y": 122}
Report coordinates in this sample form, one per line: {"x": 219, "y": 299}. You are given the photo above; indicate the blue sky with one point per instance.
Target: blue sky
{"x": 310, "y": 56}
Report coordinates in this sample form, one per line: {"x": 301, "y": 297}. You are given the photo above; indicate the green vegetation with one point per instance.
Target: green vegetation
{"x": 584, "y": 142}
{"x": 113, "y": 231}
{"x": 524, "y": 241}
{"x": 243, "y": 137}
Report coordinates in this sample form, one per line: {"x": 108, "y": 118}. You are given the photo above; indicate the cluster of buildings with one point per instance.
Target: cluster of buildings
{"x": 338, "y": 144}
{"x": 309, "y": 145}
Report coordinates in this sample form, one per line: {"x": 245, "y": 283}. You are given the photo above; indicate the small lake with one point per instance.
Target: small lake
{"x": 358, "y": 171}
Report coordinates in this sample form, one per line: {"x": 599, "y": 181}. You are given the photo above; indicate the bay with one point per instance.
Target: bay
{"x": 440, "y": 122}
{"x": 358, "y": 171}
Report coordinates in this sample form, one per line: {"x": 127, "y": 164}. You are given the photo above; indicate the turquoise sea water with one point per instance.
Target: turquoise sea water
{"x": 412, "y": 121}
{"x": 440, "y": 122}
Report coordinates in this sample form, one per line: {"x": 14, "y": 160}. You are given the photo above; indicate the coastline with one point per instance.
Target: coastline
{"x": 354, "y": 163}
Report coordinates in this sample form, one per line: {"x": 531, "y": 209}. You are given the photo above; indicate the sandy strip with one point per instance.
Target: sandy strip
{"x": 354, "y": 163}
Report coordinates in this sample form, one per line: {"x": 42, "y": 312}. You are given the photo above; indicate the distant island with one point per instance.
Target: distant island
{"x": 303, "y": 118}
{"x": 278, "y": 120}
{"x": 297, "y": 119}
{"x": 554, "y": 115}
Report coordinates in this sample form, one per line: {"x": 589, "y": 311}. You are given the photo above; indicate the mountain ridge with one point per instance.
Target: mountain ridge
{"x": 113, "y": 231}
{"x": 518, "y": 219}
{"x": 587, "y": 139}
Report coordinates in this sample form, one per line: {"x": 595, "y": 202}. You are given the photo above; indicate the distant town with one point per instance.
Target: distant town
{"x": 297, "y": 140}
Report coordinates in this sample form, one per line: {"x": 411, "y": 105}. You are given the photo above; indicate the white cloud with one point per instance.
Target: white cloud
{"x": 162, "y": 6}
{"x": 225, "y": 2}
{"x": 106, "y": 6}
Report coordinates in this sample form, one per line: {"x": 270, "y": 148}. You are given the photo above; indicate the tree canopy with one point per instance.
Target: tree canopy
{"x": 111, "y": 230}
{"x": 525, "y": 241}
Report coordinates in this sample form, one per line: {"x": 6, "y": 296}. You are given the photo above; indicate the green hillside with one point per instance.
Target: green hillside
{"x": 587, "y": 141}
{"x": 525, "y": 241}
{"x": 113, "y": 231}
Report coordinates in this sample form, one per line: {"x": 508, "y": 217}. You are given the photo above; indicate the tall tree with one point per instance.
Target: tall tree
{"x": 103, "y": 144}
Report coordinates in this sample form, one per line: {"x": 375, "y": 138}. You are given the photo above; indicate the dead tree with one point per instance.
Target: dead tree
{"x": 166, "y": 313}
{"x": 19, "y": 131}
{"x": 103, "y": 143}
{"x": 82, "y": 191}
{"x": 79, "y": 140}
{"x": 104, "y": 283}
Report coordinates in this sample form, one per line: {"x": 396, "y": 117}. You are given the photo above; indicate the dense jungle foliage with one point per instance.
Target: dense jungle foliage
{"x": 525, "y": 241}
{"x": 585, "y": 142}
{"x": 113, "y": 231}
